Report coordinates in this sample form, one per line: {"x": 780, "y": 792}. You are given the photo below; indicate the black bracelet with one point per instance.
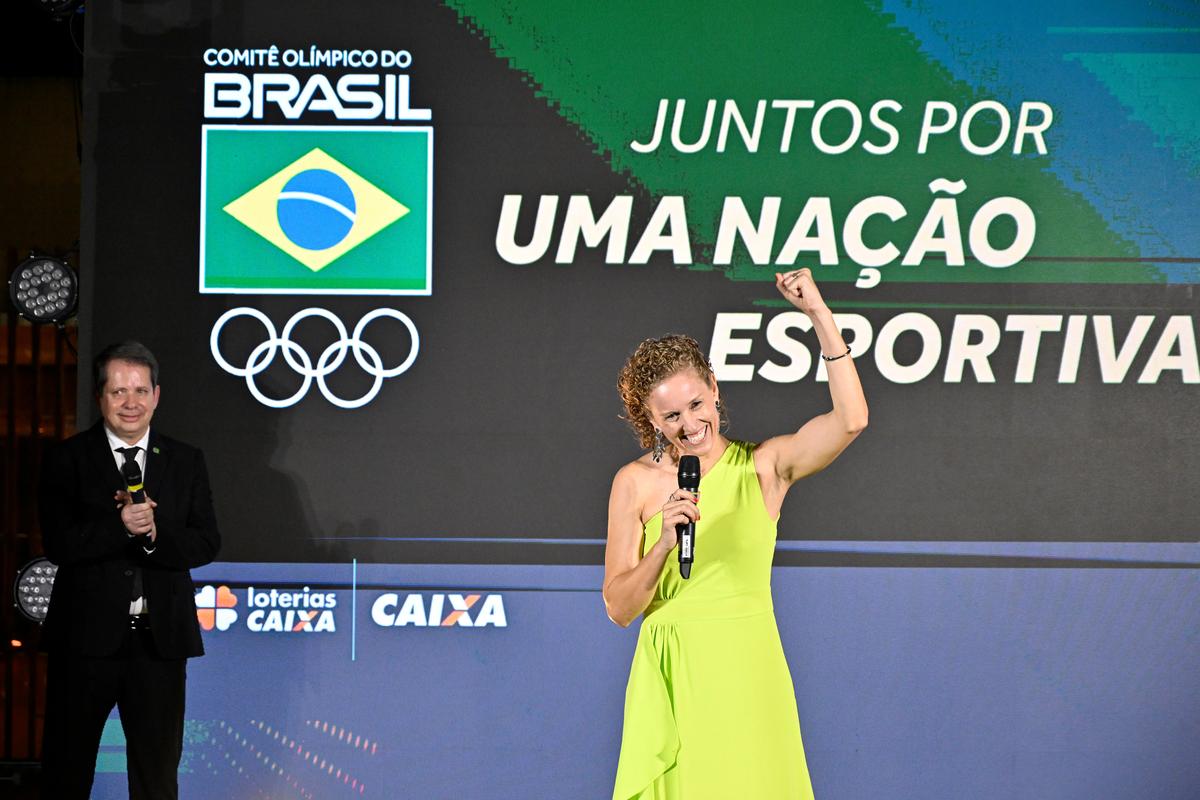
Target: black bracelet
{"x": 835, "y": 358}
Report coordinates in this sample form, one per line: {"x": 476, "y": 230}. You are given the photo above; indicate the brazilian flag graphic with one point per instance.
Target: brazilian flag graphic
{"x": 316, "y": 210}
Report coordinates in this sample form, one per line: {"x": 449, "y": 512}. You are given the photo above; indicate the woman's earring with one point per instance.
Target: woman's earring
{"x": 660, "y": 445}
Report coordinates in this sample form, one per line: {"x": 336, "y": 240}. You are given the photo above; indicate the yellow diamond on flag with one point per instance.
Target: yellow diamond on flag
{"x": 316, "y": 209}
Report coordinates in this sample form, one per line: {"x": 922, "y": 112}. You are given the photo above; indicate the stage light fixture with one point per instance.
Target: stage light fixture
{"x": 60, "y": 9}
{"x": 31, "y": 589}
{"x": 44, "y": 289}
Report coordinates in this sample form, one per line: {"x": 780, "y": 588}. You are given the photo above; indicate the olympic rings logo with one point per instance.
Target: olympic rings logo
{"x": 299, "y": 360}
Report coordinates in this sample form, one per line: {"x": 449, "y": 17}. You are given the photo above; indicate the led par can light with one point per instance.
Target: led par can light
{"x": 44, "y": 289}
{"x": 31, "y": 590}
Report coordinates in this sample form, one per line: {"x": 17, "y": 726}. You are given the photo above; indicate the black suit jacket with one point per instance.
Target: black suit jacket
{"x": 83, "y": 534}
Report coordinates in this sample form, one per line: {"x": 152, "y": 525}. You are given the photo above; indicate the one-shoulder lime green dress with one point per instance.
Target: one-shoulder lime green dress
{"x": 710, "y": 712}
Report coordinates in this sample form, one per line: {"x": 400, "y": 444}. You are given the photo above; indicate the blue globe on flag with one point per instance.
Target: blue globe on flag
{"x": 316, "y": 209}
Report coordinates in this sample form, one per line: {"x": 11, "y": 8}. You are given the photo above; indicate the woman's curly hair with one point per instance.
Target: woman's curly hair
{"x": 653, "y": 362}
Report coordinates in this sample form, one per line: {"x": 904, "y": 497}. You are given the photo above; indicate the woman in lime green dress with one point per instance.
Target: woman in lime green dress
{"x": 710, "y": 713}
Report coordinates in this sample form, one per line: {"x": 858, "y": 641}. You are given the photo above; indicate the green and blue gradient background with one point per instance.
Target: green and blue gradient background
{"x": 1123, "y": 95}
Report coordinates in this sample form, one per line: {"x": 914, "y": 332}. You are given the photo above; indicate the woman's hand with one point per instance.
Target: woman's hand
{"x": 680, "y": 509}
{"x": 630, "y": 579}
{"x": 800, "y": 290}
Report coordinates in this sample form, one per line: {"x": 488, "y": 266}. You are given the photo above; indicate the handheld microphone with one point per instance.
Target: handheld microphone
{"x": 133, "y": 480}
{"x": 689, "y": 480}
{"x": 137, "y": 494}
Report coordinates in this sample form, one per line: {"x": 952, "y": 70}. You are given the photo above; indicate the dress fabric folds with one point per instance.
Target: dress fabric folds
{"x": 710, "y": 712}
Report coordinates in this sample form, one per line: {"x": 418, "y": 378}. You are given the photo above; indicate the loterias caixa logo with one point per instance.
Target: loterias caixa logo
{"x": 216, "y": 607}
{"x": 268, "y": 610}
{"x": 316, "y": 179}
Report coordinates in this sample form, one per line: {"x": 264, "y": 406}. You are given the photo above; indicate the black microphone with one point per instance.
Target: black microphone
{"x": 133, "y": 480}
{"x": 689, "y": 480}
{"x": 137, "y": 494}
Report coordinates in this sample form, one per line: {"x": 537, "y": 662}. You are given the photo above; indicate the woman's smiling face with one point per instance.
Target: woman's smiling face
{"x": 684, "y": 408}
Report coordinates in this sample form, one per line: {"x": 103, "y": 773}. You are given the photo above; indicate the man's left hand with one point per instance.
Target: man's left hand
{"x": 138, "y": 518}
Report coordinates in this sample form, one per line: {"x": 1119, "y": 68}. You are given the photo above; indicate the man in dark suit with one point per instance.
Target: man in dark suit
{"x": 122, "y": 619}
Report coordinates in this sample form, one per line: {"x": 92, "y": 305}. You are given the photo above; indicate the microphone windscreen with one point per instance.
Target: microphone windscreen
{"x": 689, "y": 473}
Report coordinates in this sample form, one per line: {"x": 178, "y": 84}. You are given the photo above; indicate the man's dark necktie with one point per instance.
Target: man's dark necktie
{"x": 129, "y": 464}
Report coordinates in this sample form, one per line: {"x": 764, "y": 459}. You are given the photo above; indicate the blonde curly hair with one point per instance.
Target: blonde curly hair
{"x": 651, "y": 363}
